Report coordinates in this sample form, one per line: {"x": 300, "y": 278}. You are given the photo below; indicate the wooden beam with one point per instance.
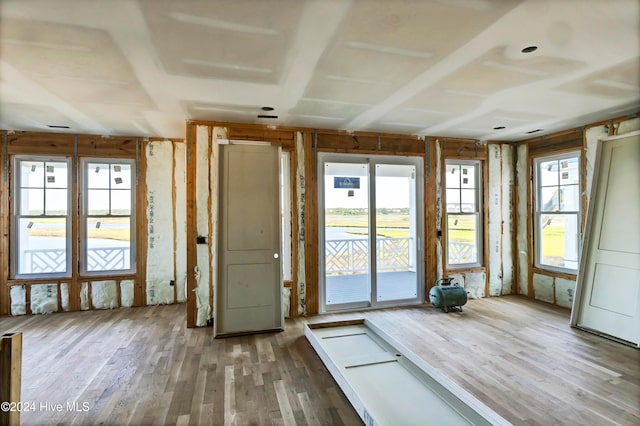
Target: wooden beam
{"x": 293, "y": 195}
{"x": 311, "y": 228}
{"x": 191, "y": 225}
{"x": 10, "y": 377}
{"x": 5, "y": 290}
{"x": 430, "y": 232}
{"x": 142, "y": 227}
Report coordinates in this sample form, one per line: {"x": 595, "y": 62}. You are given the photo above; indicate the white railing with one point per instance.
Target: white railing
{"x": 352, "y": 256}
{"x": 43, "y": 261}
{"x": 461, "y": 253}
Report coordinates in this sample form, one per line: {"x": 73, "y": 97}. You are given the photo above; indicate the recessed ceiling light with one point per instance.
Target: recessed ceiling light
{"x": 53, "y": 126}
{"x": 533, "y": 131}
{"x": 267, "y": 116}
{"x": 267, "y": 108}
{"x": 529, "y": 49}
{"x": 499, "y": 128}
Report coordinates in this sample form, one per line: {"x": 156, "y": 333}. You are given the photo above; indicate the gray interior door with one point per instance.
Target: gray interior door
{"x": 249, "y": 295}
{"x": 609, "y": 277}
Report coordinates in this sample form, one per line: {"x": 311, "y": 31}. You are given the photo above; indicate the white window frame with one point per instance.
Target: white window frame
{"x": 84, "y": 216}
{"x": 478, "y": 213}
{"x": 537, "y": 188}
{"x": 16, "y": 216}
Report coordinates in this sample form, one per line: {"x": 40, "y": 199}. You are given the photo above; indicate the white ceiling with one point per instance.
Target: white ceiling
{"x": 443, "y": 67}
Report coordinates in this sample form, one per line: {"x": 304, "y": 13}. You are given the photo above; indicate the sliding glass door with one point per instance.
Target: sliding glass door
{"x": 370, "y": 223}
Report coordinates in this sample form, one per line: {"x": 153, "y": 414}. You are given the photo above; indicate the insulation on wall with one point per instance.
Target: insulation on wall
{"x": 301, "y": 194}
{"x": 64, "y": 296}
{"x": 104, "y": 295}
{"x": 521, "y": 233}
{"x": 543, "y": 288}
{"x": 565, "y": 290}
{"x": 439, "y": 260}
{"x": 592, "y": 135}
{"x": 203, "y": 191}
{"x": 180, "y": 185}
{"x": 18, "y": 300}
{"x": 495, "y": 219}
{"x": 286, "y": 301}
{"x": 126, "y": 293}
{"x": 507, "y": 219}
{"x": 474, "y": 283}
{"x": 44, "y": 298}
{"x": 159, "y": 223}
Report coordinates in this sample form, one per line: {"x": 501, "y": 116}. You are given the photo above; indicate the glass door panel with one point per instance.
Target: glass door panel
{"x": 396, "y": 232}
{"x": 346, "y": 234}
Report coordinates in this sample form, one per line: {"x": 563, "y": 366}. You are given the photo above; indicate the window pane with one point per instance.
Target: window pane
{"x": 569, "y": 198}
{"x": 98, "y": 175}
{"x": 570, "y": 171}
{"x": 550, "y": 201}
{"x": 452, "y": 176}
{"x": 56, "y": 175}
{"x": 121, "y": 176}
{"x": 453, "y": 200}
{"x": 462, "y": 242}
{"x": 108, "y": 244}
{"x": 42, "y": 246}
{"x": 548, "y": 173}
{"x": 98, "y": 202}
{"x": 31, "y": 174}
{"x": 31, "y": 202}
{"x": 56, "y": 200}
{"x": 468, "y": 202}
{"x": 121, "y": 202}
{"x": 559, "y": 240}
{"x": 468, "y": 178}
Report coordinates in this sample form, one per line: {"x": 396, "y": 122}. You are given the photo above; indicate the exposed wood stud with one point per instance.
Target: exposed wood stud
{"x": 191, "y": 226}
{"x": 427, "y": 152}
{"x": 210, "y": 215}
{"x": 5, "y": 156}
{"x": 315, "y": 155}
{"x": 10, "y": 377}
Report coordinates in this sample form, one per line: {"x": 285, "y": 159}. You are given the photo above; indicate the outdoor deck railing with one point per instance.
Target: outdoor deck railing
{"x": 393, "y": 254}
{"x": 349, "y": 256}
{"x": 42, "y": 261}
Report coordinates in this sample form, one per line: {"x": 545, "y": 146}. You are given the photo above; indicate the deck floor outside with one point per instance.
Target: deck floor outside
{"x": 143, "y": 366}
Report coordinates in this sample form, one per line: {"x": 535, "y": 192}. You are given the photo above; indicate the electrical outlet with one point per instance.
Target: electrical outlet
{"x": 172, "y": 282}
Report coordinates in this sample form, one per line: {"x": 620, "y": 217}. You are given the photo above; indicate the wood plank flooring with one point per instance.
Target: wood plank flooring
{"x": 143, "y": 366}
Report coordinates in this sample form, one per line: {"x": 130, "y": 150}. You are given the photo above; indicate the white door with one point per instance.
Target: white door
{"x": 609, "y": 276}
{"x": 249, "y": 296}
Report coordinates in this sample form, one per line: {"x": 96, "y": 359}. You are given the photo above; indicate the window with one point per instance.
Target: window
{"x": 463, "y": 217}
{"x": 41, "y": 219}
{"x": 557, "y": 212}
{"x": 107, "y": 216}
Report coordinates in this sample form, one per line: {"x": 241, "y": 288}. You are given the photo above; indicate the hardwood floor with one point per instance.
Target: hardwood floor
{"x": 143, "y": 366}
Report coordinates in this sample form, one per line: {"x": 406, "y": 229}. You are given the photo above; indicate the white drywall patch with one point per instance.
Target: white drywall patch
{"x": 160, "y": 222}
{"x": 507, "y": 219}
{"x": 203, "y": 254}
{"x": 301, "y": 194}
{"x": 84, "y": 296}
{"x": 126, "y": 293}
{"x": 18, "y": 300}
{"x": 286, "y": 301}
{"x": 439, "y": 254}
{"x": 543, "y": 287}
{"x": 104, "y": 295}
{"x": 44, "y": 298}
{"x": 474, "y": 283}
{"x": 181, "y": 221}
{"x": 592, "y": 135}
{"x": 523, "y": 248}
{"x": 64, "y": 296}
{"x": 565, "y": 289}
{"x": 495, "y": 219}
